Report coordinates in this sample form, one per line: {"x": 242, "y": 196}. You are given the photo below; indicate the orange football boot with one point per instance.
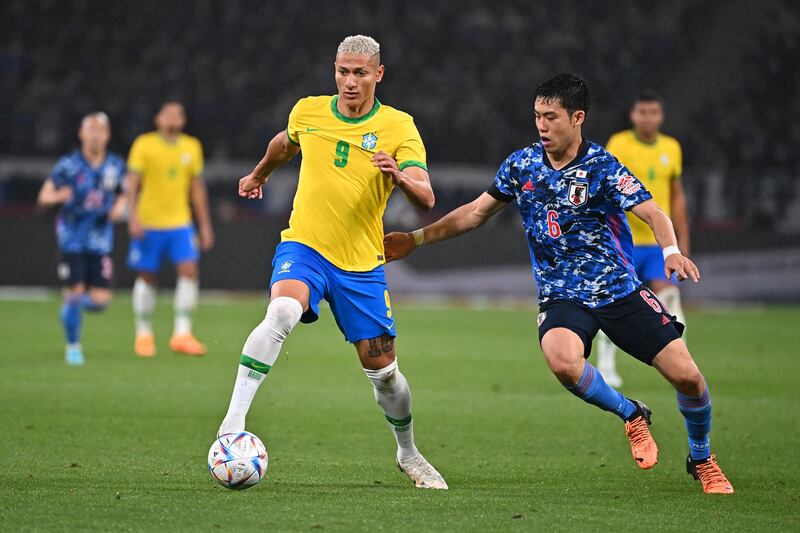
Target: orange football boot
{"x": 145, "y": 345}
{"x": 186, "y": 344}
{"x": 710, "y": 475}
{"x": 643, "y": 447}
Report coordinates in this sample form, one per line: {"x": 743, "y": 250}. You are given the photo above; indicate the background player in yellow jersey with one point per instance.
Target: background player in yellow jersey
{"x": 355, "y": 152}
{"x": 164, "y": 185}
{"x": 657, "y": 161}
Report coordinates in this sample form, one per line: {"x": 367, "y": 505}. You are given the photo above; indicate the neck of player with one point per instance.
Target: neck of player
{"x": 645, "y": 136}
{"x": 94, "y": 158}
{"x": 561, "y": 158}
{"x": 355, "y": 111}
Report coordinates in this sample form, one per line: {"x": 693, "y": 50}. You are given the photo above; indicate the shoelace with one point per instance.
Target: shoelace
{"x": 637, "y": 431}
{"x": 710, "y": 473}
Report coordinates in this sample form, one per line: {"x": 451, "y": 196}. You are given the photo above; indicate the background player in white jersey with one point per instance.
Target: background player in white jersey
{"x": 87, "y": 186}
{"x": 656, "y": 159}
{"x": 355, "y": 152}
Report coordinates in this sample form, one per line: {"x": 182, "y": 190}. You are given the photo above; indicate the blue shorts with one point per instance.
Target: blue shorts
{"x": 180, "y": 244}
{"x": 359, "y": 300}
{"x": 649, "y": 261}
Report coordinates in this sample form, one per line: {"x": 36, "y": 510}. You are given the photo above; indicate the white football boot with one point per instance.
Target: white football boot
{"x": 422, "y": 473}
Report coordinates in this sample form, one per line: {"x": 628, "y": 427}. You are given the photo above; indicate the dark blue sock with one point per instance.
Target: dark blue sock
{"x": 90, "y": 305}
{"x": 593, "y": 389}
{"x": 697, "y": 412}
{"x": 71, "y": 319}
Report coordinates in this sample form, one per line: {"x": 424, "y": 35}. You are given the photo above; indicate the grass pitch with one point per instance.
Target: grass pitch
{"x": 121, "y": 443}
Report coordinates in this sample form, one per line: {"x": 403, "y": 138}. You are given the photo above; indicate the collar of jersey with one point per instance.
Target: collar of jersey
{"x": 356, "y": 120}
{"x": 645, "y": 143}
{"x": 582, "y": 151}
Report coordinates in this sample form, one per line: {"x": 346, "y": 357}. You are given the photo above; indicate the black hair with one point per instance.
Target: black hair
{"x": 648, "y": 95}
{"x": 568, "y": 90}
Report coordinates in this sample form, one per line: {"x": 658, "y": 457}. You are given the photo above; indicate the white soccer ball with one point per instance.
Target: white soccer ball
{"x": 238, "y": 460}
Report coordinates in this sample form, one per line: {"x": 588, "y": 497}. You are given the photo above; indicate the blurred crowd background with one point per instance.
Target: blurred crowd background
{"x": 466, "y": 70}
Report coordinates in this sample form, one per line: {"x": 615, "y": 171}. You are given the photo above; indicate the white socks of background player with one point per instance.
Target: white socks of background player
{"x": 185, "y": 301}
{"x": 260, "y": 351}
{"x": 606, "y": 359}
{"x": 144, "y": 302}
{"x": 394, "y": 396}
{"x": 671, "y": 298}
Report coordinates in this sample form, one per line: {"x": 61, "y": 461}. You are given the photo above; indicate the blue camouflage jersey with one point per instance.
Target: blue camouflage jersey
{"x": 82, "y": 225}
{"x": 579, "y": 239}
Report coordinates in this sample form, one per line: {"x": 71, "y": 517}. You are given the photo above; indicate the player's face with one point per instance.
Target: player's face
{"x": 647, "y": 118}
{"x": 171, "y": 119}
{"x": 356, "y": 77}
{"x": 557, "y": 128}
{"x": 94, "y": 135}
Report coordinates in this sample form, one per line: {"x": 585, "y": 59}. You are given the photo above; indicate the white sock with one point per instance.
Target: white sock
{"x": 260, "y": 351}
{"x": 144, "y": 302}
{"x": 394, "y": 396}
{"x": 185, "y": 301}
{"x": 606, "y": 354}
{"x": 671, "y": 298}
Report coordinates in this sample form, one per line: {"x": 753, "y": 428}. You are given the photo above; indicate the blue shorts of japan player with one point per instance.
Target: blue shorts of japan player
{"x": 86, "y": 185}
{"x": 572, "y": 194}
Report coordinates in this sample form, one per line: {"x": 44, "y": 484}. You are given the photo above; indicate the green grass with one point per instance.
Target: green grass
{"x": 121, "y": 443}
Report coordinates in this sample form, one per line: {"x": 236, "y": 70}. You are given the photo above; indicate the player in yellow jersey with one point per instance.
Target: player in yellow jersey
{"x": 355, "y": 152}
{"x": 165, "y": 185}
{"x": 655, "y": 159}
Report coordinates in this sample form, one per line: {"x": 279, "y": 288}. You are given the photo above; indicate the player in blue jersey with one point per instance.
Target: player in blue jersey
{"x": 572, "y": 195}
{"x": 87, "y": 185}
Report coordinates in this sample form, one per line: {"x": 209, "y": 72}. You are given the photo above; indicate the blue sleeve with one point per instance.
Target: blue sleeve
{"x": 622, "y": 188}
{"x": 502, "y": 188}
{"x": 60, "y": 174}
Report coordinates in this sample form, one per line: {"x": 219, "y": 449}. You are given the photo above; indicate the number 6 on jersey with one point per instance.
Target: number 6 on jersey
{"x": 552, "y": 226}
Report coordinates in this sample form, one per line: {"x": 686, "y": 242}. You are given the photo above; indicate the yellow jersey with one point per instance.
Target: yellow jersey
{"x": 657, "y": 165}
{"x": 166, "y": 170}
{"x": 341, "y": 196}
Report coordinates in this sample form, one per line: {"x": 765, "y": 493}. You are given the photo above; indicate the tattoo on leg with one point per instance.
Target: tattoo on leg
{"x": 373, "y": 348}
{"x": 387, "y": 343}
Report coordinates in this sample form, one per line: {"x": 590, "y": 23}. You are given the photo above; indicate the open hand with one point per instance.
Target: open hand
{"x": 681, "y": 265}
{"x": 397, "y": 245}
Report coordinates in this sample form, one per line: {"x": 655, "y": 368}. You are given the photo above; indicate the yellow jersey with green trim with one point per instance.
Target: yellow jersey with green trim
{"x": 341, "y": 196}
{"x": 166, "y": 170}
{"x": 657, "y": 165}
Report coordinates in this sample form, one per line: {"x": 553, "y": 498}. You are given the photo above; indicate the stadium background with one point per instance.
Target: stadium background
{"x": 465, "y": 70}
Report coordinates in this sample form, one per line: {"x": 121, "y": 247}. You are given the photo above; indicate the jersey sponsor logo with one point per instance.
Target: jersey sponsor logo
{"x": 286, "y": 266}
{"x": 110, "y": 175}
{"x": 628, "y": 185}
{"x": 186, "y": 158}
{"x": 578, "y": 192}
{"x": 369, "y": 141}
{"x": 310, "y": 129}
{"x": 664, "y": 159}
{"x": 528, "y": 186}
{"x": 541, "y": 318}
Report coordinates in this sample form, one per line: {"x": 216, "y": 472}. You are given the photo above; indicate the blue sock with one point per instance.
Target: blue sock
{"x": 71, "y": 319}
{"x": 593, "y": 389}
{"x": 90, "y": 305}
{"x": 697, "y": 412}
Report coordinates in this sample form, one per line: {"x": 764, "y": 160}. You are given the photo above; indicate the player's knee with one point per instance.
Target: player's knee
{"x": 383, "y": 378}
{"x": 283, "y": 313}
{"x": 564, "y": 363}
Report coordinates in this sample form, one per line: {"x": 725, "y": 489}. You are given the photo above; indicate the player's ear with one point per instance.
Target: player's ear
{"x": 379, "y": 73}
{"x": 578, "y": 117}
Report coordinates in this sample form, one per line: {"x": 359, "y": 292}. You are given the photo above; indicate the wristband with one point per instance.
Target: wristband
{"x": 419, "y": 236}
{"x": 670, "y": 250}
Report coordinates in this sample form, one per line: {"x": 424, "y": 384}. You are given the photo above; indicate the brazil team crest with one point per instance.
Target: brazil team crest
{"x": 369, "y": 141}
{"x": 578, "y": 192}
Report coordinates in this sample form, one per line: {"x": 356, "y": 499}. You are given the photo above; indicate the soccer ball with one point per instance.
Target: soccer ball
{"x": 237, "y": 460}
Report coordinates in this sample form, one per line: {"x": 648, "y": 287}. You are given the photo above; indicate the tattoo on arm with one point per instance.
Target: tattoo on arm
{"x": 386, "y": 345}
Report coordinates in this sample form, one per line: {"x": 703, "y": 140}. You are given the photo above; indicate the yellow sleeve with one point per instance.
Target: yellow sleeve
{"x": 678, "y": 161}
{"x": 613, "y": 145}
{"x": 410, "y": 151}
{"x": 200, "y": 164}
{"x": 136, "y": 157}
{"x": 292, "y": 128}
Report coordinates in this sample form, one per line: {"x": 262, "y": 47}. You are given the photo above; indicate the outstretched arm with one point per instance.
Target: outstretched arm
{"x": 664, "y": 233}
{"x": 279, "y": 151}
{"x": 50, "y": 195}
{"x": 460, "y": 220}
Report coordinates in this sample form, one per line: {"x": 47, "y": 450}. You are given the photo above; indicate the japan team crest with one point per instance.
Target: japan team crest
{"x": 578, "y": 192}
{"x": 369, "y": 141}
